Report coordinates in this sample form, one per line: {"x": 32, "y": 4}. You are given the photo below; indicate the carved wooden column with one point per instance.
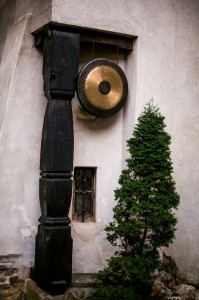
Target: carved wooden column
{"x": 53, "y": 257}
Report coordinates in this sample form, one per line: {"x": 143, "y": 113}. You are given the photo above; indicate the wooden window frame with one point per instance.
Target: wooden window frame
{"x": 84, "y": 217}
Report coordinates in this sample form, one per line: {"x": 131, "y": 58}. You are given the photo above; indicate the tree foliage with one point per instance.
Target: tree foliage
{"x": 143, "y": 218}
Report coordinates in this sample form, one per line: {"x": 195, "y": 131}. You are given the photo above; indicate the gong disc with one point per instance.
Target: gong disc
{"x": 102, "y": 87}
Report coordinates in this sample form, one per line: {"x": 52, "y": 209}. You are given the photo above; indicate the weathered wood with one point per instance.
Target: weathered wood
{"x": 57, "y": 137}
{"x": 53, "y": 253}
{"x": 53, "y": 258}
{"x": 108, "y": 39}
{"x": 60, "y": 66}
{"x": 55, "y": 197}
{"x": 88, "y": 35}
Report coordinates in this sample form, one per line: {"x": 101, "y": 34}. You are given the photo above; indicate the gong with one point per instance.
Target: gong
{"x": 102, "y": 87}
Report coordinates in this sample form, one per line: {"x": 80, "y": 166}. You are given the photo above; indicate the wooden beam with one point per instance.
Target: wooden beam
{"x": 109, "y": 39}
{"x": 53, "y": 253}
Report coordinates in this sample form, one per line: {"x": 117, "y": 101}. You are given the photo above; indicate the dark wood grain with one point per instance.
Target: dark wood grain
{"x": 53, "y": 253}
{"x": 55, "y": 197}
{"x": 53, "y": 258}
{"x": 57, "y": 137}
{"x": 60, "y": 67}
{"x": 87, "y": 35}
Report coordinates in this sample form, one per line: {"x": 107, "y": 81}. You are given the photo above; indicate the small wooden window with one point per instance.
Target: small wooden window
{"x": 84, "y": 194}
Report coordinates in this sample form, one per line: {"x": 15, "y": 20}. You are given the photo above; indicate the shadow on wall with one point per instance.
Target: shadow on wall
{"x": 92, "y": 123}
{"x": 7, "y": 17}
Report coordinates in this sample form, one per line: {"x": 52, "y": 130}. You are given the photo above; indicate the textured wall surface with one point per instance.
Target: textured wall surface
{"x": 164, "y": 65}
{"x": 22, "y": 110}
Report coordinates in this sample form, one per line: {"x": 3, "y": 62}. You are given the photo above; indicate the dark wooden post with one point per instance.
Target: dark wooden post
{"x": 53, "y": 257}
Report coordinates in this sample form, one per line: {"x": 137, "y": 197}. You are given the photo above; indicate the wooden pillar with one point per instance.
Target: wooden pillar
{"x": 53, "y": 257}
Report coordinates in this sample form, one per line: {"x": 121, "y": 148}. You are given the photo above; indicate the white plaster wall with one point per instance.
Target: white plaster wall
{"x": 20, "y": 136}
{"x": 185, "y": 129}
{"x": 163, "y": 65}
{"x": 7, "y": 13}
{"x": 98, "y": 143}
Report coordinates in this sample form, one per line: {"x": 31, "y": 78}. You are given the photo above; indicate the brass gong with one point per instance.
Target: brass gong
{"x": 102, "y": 87}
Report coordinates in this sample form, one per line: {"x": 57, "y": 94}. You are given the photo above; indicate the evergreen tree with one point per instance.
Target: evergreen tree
{"x": 143, "y": 219}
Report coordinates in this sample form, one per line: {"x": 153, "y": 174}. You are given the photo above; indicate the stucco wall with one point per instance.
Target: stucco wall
{"x": 98, "y": 143}
{"x": 7, "y": 12}
{"x": 20, "y": 137}
{"x": 184, "y": 129}
{"x": 163, "y": 65}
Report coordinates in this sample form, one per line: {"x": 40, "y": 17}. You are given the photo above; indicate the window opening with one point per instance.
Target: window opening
{"x": 84, "y": 194}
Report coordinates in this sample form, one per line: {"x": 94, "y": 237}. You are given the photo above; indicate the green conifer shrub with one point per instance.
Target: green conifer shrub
{"x": 143, "y": 218}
